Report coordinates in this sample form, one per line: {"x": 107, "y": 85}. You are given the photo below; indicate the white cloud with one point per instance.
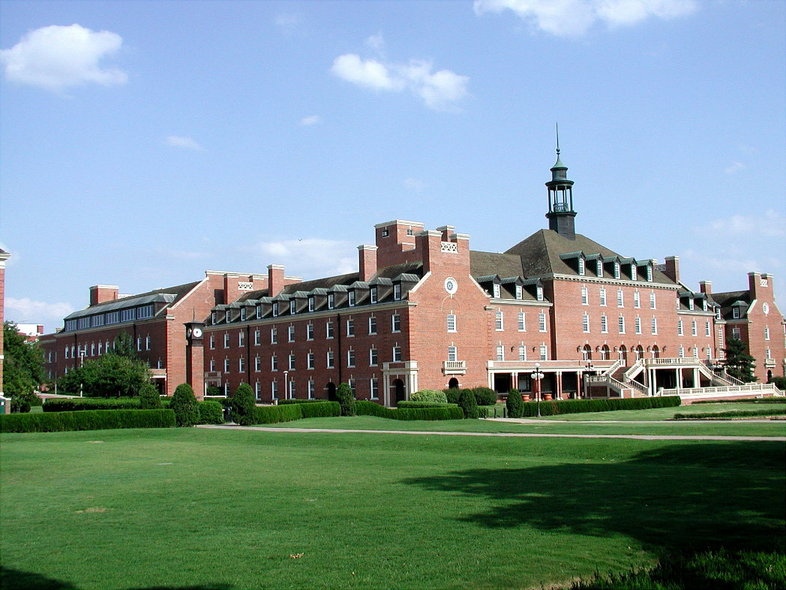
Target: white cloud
{"x": 57, "y": 57}
{"x": 26, "y": 310}
{"x": 734, "y": 167}
{"x": 770, "y": 224}
{"x": 183, "y": 142}
{"x": 310, "y": 257}
{"x": 287, "y": 22}
{"x": 376, "y": 42}
{"x": 438, "y": 90}
{"x": 566, "y": 18}
{"x": 310, "y": 120}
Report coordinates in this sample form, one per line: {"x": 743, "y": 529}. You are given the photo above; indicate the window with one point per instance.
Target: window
{"x": 695, "y": 352}
{"x": 543, "y": 352}
{"x": 395, "y": 323}
{"x": 330, "y": 360}
{"x": 636, "y": 299}
{"x": 620, "y": 298}
{"x": 275, "y": 308}
{"x": 309, "y": 331}
{"x": 350, "y": 327}
{"x": 257, "y": 390}
{"x": 290, "y": 333}
{"x": 691, "y": 303}
{"x": 241, "y": 365}
{"x": 649, "y": 273}
{"x": 602, "y": 296}
{"x": 310, "y": 360}
{"x": 92, "y": 349}
{"x": 147, "y": 344}
{"x": 634, "y": 272}
{"x": 708, "y": 332}
{"x": 654, "y": 325}
{"x": 139, "y": 343}
{"x": 519, "y": 292}
{"x": 735, "y": 313}
{"x": 599, "y": 267}
{"x": 581, "y": 266}
{"x": 451, "y": 322}
{"x": 616, "y": 270}
{"x": 351, "y": 299}
{"x": 292, "y": 361}
{"x": 274, "y": 363}
{"x": 522, "y": 322}
{"x": 273, "y": 335}
{"x": 311, "y": 389}
{"x": 542, "y": 321}
{"x": 242, "y": 314}
{"x": 539, "y": 293}
{"x": 452, "y": 354}
{"x": 397, "y": 291}
{"x": 621, "y": 324}
{"x": 350, "y": 358}
{"x": 496, "y": 290}
{"x": 373, "y": 295}
{"x": 584, "y": 296}
{"x": 241, "y": 338}
{"x": 311, "y": 303}
{"x": 374, "y": 388}
{"x": 735, "y": 333}
{"x": 637, "y": 325}
{"x": 257, "y": 337}
{"x": 329, "y": 329}
{"x": 766, "y": 332}
{"x": 372, "y": 325}
{"x": 274, "y": 389}
{"x": 499, "y": 324}
{"x": 396, "y": 354}
{"x": 226, "y": 365}
{"x": 292, "y": 307}
{"x": 585, "y": 323}
{"x": 500, "y": 352}
{"x": 331, "y": 300}
{"x": 259, "y": 311}
{"x": 652, "y": 300}
{"x": 212, "y": 365}
{"x": 226, "y": 339}
{"x": 680, "y": 330}
{"x": 373, "y": 357}
{"x": 257, "y": 363}
{"x": 522, "y": 353}
{"x": 604, "y": 324}
{"x": 693, "y": 328}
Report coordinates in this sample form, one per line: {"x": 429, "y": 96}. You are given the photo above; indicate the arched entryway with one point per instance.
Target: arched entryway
{"x": 639, "y": 351}
{"x": 604, "y": 352}
{"x": 453, "y": 383}
{"x": 586, "y": 353}
{"x": 331, "y": 391}
{"x": 623, "y": 354}
{"x": 399, "y": 391}
{"x": 655, "y": 351}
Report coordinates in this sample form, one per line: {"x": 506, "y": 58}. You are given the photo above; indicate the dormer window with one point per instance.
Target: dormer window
{"x": 242, "y": 314}
{"x": 259, "y": 311}
{"x": 704, "y": 304}
{"x": 275, "y": 309}
{"x": 397, "y": 291}
{"x": 649, "y": 273}
{"x": 599, "y": 267}
{"x": 351, "y": 298}
{"x": 539, "y": 293}
{"x": 227, "y": 317}
{"x": 373, "y": 294}
{"x": 331, "y": 300}
{"x": 616, "y": 270}
{"x": 735, "y": 313}
{"x": 519, "y": 292}
{"x": 213, "y": 317}
{"x": 718, "y": 314}
{"x": 496, "y": 290}
{"x": 691, "y": 303}
{"x": 311, "y": 303}
{"x": 581, "y": 266}
{"x": 634, "y": 272}
{"x": 292, "y": 307}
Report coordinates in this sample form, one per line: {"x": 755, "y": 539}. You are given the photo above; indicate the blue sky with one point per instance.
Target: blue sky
{"x": 142, "y": 143}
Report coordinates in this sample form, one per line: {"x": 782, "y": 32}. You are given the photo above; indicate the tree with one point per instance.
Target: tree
{"x": 123, "y": 345}
{"x": 243, "y": 405}
{"x": 739, "y": 363}
{"x": 468, "y": 403}
{"x": 23, "y": 368}
{"x": 514, "y": 404}
{"x": 346, "y": 399}
{"x": 185, "y": 406}
{"x": 110, "y": 375}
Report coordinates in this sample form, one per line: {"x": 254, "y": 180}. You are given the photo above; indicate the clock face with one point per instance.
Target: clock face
{"x": 197, "y": 333}
{"x": 451, "y": 286}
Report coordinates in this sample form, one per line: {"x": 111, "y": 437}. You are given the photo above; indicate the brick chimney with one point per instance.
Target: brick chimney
{"x": 275, "y": 279}
{"x": 705, "y": 287}
{"x": 672, "y": 268}
{"x": 367, "y": 262}
{"x": 103, "y": 293}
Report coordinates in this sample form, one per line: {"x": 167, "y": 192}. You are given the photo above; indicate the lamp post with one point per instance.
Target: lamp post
{"x": 286, "y": 385}
{"x": 537, "y": 376}
{"x": 81, "y": 363}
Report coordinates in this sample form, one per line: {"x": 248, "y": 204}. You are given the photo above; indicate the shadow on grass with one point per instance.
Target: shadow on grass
{"x": 11, "y": 579}
{"x": 673, "y": 498}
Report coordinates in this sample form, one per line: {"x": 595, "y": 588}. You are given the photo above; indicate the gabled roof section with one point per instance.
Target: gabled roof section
{"x": 167, "y": 296}
{"x": 483, "y": 264}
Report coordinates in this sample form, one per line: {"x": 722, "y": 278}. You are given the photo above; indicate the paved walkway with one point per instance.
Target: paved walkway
{"x": 495, "y": 434}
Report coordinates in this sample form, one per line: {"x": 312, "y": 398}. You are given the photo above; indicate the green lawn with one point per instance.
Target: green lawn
{"x": 231, "y": 509}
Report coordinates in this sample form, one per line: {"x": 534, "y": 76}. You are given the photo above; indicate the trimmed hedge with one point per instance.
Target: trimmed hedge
{"x": 210, "y": 412}
{"x": 762, "y": 400}
{"x": 483, "y": 395}
{"x": 731, "y": 414}
{"x": 87, "y": 420}
{"x": 449, "y": 412}
{"x": 322, "y": 409}
{"x": 577, "y": 406}
{"x": 286, "y": 402}
{"x": 90, "y": 403}
{"x": 274, "y": 414}
{"x": 418, "y": 404}
{"x": 428, "y": 395}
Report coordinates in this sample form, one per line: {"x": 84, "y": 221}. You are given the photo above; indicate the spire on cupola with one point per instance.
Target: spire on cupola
{"x": 561, "y": 214}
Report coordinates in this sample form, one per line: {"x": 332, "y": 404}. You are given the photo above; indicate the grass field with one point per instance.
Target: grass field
{"x": 216, "y": 509}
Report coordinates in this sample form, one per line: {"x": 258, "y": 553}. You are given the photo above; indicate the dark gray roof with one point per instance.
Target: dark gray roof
{"x": 168, "y": 295}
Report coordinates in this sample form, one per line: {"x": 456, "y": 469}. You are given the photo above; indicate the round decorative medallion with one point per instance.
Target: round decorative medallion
{"x": 765, "y": 308}
{"x": 451, "y": 286}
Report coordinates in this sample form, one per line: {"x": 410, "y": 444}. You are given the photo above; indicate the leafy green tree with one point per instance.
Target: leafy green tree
{"x": 514, "y": 404}
{"x": 149, "y": 399}
{"x": 185, "y": 405}
{"x": 346, "y": 399}
{"x": 739, "y": 363}
{"x": 468, "y": 403}
{"x": 429, "y": 395}
{"x": 123, "y": 345}
{"x": 23, "y": 369}
{"x": 243, "y": 405}
{"x": 110, "y": 375}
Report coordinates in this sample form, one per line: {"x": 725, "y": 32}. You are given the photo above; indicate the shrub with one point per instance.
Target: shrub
{"x": 428, "y": 395}
{"x": 86, "y": 420}
{"x": 452, "y": 395}
{"x": 320, "y": 409}
{"x": 185, "y": 406}
{"x": 416, "y": 404}
{"x": 22, "y": 402}
{"x": 273, "y": 414}
{"x": 575, "y": 406}
{"x": 243, "y": 404}
{"x": 347, "y": 399}
{"x": 485, "y": 396}
{"x": 294, "y": 400}
{"x": 468, "y": 403}
{"x": 149, "y": 398}
{"x": 446, "y": 412}
{"x": 514, "y": 405}
{"x": 210, "y": 412}
{"x": 214, "y": 391}
{"x": 91, "y": 403}
{"x": 779, "y": 382}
